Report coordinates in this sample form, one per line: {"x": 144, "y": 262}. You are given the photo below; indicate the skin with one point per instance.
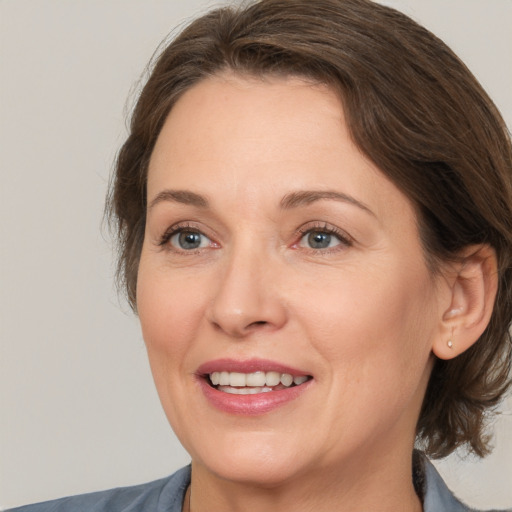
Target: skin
{"x": 361, "y": 316}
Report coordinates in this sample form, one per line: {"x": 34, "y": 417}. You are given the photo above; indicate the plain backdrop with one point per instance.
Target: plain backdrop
{"x": 78, "y": 409}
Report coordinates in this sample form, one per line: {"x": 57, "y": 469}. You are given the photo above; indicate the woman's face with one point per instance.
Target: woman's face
{"x": 273, "y": 246}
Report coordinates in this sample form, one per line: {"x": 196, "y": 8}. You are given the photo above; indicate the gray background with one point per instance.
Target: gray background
{"x": 78, "y": 411}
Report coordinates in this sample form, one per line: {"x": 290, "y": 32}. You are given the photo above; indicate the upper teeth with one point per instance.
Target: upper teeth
{"x": 256, "y": 379}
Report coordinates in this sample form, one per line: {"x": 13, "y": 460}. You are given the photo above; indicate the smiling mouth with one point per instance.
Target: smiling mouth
{"x": 237, "y": 383}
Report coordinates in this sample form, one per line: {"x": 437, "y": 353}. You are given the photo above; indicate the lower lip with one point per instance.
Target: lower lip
{"x": 251, "y": 405}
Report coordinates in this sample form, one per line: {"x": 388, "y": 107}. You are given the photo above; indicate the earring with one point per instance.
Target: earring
{"x": 450, "y": 344}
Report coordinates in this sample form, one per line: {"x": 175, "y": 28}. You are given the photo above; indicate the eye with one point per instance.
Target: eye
{"x": 322, "y": 238}
{"x": 319, "y": 240}
{"x": 187, "y": 240}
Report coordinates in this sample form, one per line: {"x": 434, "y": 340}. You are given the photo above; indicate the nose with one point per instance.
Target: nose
{"x": 247, "y": 298}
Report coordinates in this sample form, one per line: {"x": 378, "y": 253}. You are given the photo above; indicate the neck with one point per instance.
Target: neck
{"x": 357, "y": 487}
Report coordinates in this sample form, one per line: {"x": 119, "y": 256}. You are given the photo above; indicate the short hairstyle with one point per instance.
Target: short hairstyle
{"x": 412, "y": 107}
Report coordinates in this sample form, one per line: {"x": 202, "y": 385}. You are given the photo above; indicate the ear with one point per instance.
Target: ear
{"x": 473, "y": 291}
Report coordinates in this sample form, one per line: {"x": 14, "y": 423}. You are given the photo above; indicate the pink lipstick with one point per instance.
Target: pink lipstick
{"x": 251, "y": 387}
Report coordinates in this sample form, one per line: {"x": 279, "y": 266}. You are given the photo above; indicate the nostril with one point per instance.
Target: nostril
{"x": 260, "y": 322}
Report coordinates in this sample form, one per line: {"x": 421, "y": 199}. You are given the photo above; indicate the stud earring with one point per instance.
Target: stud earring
{"x": 450, "y": 344}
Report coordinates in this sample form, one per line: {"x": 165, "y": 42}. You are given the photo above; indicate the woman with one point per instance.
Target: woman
{"x": 314, "y": 209}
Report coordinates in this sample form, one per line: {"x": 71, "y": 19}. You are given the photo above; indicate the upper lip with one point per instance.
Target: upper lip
{"x": 247, "y": 366}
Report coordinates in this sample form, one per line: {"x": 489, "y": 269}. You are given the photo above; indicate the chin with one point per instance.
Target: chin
{"x": 261, "y": 460}
{"x": 256, "y": 472}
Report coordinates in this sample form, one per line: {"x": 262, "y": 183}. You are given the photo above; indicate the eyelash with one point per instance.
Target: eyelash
{"x": 322, "y": 227}
{"x": 176, "y": 229}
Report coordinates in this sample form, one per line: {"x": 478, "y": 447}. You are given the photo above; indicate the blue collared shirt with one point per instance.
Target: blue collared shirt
{"x": 167, "y": 494}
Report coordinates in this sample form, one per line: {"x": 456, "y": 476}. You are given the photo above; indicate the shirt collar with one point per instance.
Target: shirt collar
{"x": 430, "y": 486}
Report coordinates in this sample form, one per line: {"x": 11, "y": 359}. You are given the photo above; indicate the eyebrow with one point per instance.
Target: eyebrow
{"x": 289, "y": 201}
{"x": 302, "y": 198}
{"x": 179, "y": 196}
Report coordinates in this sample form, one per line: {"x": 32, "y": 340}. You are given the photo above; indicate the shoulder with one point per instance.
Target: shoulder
{"x": 161, "y": 495}
{"x": 436, "y": 495}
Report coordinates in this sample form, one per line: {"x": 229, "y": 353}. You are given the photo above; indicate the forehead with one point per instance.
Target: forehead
{"x": 236, "y": 135}
{"x": 229, "y": 111}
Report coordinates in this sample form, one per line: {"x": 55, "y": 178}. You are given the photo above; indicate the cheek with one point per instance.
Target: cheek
{"x": 170, "y": 311}
{"x": 374, "y": 321}
{"x": 375, "y": 333}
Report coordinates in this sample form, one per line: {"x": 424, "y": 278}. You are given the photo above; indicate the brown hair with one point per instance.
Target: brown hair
{"x": 412, "y": 107}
